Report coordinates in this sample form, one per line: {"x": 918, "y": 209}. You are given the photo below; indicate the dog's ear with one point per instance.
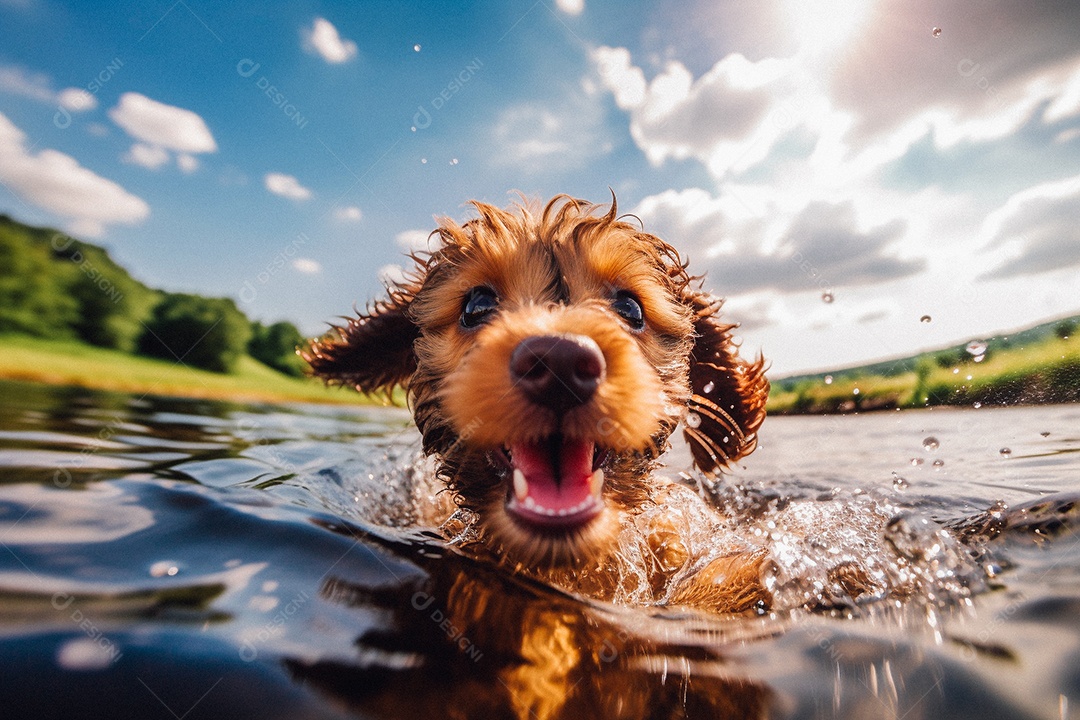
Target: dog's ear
{"x": 372, "y": 352}
{"x": 728, "y": 397}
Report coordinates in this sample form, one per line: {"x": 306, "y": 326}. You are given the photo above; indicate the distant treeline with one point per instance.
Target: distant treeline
{"x": 1038, "y": 365}
{"x": 54, "y": 286}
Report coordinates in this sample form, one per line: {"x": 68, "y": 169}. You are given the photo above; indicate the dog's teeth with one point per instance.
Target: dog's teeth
{"x": 596, "y": 482}
{"x": 521, "y": 486}
{"x": 530, "y": 503}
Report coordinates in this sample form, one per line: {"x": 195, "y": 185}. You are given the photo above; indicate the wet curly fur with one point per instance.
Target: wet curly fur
{"x": 556, "y": 271}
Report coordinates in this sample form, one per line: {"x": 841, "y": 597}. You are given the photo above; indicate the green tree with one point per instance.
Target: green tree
{"x": 275, "y": 345}
{"x": 113, "y": 306}
{"x": 33, "y": 292}
{"x": 209, "y": 333}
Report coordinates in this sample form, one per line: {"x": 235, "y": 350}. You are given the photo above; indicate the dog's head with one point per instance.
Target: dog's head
{"x": 547, "y": 358}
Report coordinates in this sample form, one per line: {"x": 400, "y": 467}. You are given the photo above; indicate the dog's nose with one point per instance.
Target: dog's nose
{"x": 560, "y": 372}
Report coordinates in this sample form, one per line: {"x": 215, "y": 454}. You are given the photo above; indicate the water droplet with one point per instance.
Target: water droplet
{"x": 416, "y": 47}
{"x": 936, "y": 32}
{"x": 827, "y": 297}
{"x": 976, "y": 348}
{"x": 925, "y": 319}
{"x": 899, "y": 482}
{"x": 855, "y": 391}
{"x": 413, "y": 128}
{"x": 423, "y": 161}
{"x": 164, "y": 567}
{"x": 454, "y": 161}
{"x": 1004, "y": 452}
{"x": 979, "y": 358}
{"x": 938, "y": 464}
{"x": 931, "y": 443}
{"x": 693, "y": 420}
{"x": 977, "y": 405}
{"x": 828, "y": 379}
{"x": 709, "y": 387}
{"x": 916, "y": 461}
{"x": 86, "y": 654}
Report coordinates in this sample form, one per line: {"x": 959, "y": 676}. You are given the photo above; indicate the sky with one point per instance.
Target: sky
{"x": 861, "y": 179}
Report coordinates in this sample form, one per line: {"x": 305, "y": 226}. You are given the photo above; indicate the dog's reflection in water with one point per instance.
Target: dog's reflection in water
{"x": 476, "y": 642}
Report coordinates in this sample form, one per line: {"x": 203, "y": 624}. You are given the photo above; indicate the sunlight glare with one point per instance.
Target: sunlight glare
{"x": 825, "y": 24}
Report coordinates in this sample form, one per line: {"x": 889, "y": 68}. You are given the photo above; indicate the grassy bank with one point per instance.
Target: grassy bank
{"x": 73, "y": 363}
{"x": 1038, "y": 372}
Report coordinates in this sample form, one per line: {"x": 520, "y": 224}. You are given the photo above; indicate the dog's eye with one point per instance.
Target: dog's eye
{"x": 479, "y": 303}
{"x": 629, "y": 309}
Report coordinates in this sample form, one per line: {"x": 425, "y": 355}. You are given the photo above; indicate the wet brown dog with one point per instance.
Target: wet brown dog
{"x": 548, "y": 355}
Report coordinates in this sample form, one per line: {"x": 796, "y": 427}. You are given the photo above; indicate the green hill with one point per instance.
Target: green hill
{"x": 1035, "y": 365}
{"x": 70, "y": 314}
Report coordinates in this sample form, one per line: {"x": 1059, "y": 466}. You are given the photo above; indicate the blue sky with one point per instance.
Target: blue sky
{"x": 287, "y": 155}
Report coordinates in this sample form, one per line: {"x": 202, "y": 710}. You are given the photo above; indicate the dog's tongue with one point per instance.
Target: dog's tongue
{"x": 558, "y": 479}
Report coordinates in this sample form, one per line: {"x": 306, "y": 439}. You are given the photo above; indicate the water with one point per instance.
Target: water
{"x": 168, "y": 558}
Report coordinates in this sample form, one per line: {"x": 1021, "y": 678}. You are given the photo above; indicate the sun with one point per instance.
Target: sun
{"x": 823, "y": 25}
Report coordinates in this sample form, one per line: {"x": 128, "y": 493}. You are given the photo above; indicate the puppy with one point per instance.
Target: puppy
{"x": 548, "y": 354}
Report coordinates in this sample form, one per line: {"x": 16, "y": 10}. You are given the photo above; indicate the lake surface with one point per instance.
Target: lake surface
{"x": 190, "y": 559}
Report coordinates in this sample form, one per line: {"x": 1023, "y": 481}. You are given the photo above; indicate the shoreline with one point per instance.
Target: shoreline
{"x": 72, "y": 364}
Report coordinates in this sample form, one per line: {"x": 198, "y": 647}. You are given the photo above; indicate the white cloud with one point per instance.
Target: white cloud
{"x": 165, "y": 126}
{"x": 350, "y": 213}
{"x": 150, "y": 157}
{"x": 286, "y": 186}
{"x": 415, "y": 240}
{"x": 864, "y": 102}
{"x": 546, "y": 136}
{"x": 306, "y": 266}
{"x": 1036, "y": 230}
{"x": 982, "y": 74}
{"x": 37, "y": 86}
{"x": 323, "y": 39}
{"x": 76, "y": 100}
{"x": 187, "y": 163}
{"x": 748, "y": 246}
{"x": 571, "y": 7}
{"x": 57, "y": 183}
{"x": 391, "y": 274}
{"x": 729, "y": 118}
{"x": 18, "y": 81}
{"x": 619, "y": 75}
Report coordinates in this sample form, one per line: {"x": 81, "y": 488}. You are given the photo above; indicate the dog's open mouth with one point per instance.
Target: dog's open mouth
{"x": 556, "y": 483}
